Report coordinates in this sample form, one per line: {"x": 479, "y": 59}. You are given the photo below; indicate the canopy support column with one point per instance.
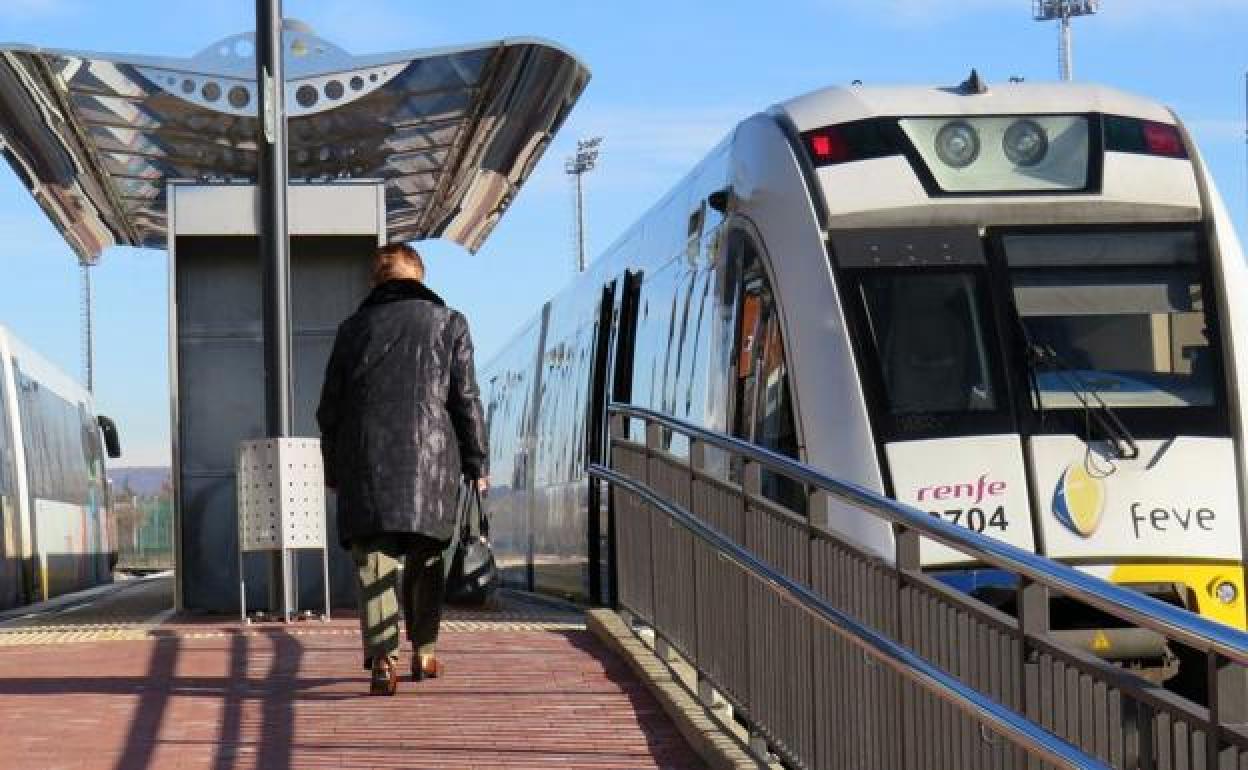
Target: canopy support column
{"x": 274, "y": 246}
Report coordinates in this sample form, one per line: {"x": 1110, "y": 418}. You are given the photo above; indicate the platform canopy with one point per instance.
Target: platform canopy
{"x": 453, "y": 132}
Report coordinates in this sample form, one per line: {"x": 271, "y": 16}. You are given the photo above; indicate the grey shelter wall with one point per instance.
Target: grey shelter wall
{"x": 220, "y": 392}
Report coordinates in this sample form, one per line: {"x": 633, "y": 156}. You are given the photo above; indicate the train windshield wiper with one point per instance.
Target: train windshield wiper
{"x": 1105, "y": 417}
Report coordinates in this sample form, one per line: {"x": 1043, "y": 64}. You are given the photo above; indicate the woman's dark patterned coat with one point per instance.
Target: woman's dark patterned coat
{"x": 400, "y": 415}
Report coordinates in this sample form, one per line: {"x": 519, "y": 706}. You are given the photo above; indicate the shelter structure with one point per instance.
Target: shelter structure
{"x": 162, "y": 153}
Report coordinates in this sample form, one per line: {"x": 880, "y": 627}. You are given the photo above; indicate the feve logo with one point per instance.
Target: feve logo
{"x": 1079, "y": 500}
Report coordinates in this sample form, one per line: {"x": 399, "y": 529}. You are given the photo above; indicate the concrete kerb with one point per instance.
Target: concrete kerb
{"x": 715, "y": 745}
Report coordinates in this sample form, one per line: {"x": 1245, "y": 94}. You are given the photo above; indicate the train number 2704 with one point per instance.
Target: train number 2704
{"x": 976, "y": 519}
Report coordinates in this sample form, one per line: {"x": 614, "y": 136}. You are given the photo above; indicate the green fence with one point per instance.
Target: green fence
{"x": 144, "y": 528}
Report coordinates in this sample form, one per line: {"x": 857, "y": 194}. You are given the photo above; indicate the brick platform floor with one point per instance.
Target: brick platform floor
{"x": 216, "y": 695}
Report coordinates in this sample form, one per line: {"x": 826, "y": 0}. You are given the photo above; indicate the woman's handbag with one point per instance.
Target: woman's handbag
{"x": 473, "y": 577}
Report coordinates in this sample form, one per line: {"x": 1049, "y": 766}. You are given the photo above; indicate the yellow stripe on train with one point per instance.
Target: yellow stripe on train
{"x": 1202, "y": 582}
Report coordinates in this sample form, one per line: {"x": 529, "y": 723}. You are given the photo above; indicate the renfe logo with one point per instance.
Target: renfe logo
{"x": 975, "y": 492}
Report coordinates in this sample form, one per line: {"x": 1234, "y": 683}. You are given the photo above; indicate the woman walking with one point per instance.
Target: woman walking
{"x": 401, "y": 425}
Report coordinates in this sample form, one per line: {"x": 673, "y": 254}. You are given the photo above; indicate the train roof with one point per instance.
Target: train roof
{"x": 843, "y": 104}
{"x": 34, "y": 365}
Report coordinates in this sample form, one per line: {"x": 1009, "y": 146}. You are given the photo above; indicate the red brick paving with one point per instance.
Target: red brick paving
{"x": 274, "y": 699}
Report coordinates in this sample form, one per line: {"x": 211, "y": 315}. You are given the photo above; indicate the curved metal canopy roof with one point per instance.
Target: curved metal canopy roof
{"x": 453, "y": 132}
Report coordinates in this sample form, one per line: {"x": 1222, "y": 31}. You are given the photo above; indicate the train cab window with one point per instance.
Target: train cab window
{"x": 747, "y": 340}
{"x": 763, "y": 407}
{"x": 1118, "y": 315}
{"x": 773, "y": 418}
{"x": 931, "y": 339}
{"x": 763, "y": 412}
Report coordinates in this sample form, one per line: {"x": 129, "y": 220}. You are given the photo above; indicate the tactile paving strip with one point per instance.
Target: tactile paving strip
{"x": 133, "y": 613}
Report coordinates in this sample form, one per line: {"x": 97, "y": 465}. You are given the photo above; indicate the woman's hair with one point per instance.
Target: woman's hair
{"x": 386, "y": 263}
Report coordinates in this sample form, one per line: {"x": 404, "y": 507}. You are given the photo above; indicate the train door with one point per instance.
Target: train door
{"x": 928, "y": 338}
{"x": 613, "y": 381}
{"x": 596, "y": 441}
{"x": 625, "y": 346}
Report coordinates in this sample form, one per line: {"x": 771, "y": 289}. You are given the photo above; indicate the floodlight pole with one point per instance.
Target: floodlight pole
{"x": 584, "y": 161}
{"x": 88, "y": 327}
{"x": 580, "y": 225}
{"x": 274, "y": 246}
{"x": 1065, "y": 53}
{"x": 1062, "y": 11}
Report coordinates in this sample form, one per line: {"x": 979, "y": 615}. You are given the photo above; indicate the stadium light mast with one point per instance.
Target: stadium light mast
{"x": 584, "y": 161}
{"x": 1063, "y": 11}
{"x": 88, "y": 326}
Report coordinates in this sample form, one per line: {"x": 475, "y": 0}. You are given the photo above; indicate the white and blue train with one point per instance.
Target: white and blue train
{"x": 56, "y": 529}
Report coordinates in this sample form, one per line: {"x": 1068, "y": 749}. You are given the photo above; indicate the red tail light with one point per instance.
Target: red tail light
{"x": 1163, "y": 139}
{"x": 827, "y": 145}
{"x": 1147, "y": 137}
{"x": 857, "y": 140}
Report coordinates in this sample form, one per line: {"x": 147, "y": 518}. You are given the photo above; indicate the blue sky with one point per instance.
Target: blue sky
{"x": 670, "y": 79}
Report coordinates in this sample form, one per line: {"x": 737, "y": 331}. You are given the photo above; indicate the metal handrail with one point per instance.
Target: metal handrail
{"x": 1022, "y": 731}
{"x": 1145, "y": 611}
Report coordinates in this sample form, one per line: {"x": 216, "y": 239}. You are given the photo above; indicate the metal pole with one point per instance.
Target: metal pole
{"x": 88, "y": 330}
{"x": 1066, "y": 53}
{"x": 274, "y": 244}
{"x": 580, "y": 226}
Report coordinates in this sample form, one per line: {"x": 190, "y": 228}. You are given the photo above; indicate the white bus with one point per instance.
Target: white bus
{"x": 1019, "y": 307}
{"x": 56, "y": 530}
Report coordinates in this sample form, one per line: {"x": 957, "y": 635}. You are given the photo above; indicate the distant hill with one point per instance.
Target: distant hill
{"x": 142, "y": 481}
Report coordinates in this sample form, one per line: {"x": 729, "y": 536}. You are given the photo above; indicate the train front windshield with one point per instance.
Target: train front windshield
{"x": 931, "y": 333}
{"x": 1116, "y": 316}
{"x": 1075, "y": 320}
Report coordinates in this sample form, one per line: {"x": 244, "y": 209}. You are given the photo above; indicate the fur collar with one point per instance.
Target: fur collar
{"x": 401, "y": 289}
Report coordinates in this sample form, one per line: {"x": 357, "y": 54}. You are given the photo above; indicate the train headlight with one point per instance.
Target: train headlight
{"x": 957, "y": 144}
{"x": 1025, "y": 143}
{"x": 995, "y": 154}
{"x": 1226, "y": 592}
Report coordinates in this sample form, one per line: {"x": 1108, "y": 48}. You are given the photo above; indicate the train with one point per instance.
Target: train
{"x": 56, "y": 528}
{"x": 1009, "y": 305}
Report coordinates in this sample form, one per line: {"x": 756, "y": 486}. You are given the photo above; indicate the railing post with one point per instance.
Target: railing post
{"x": 818, "y": 503}
{"x": 907, "y": 558}
{"x": 1033, "y": 620}
{"x": 907, "y": 549}
{"x": 751, "y": 487}
{"x": 697, "y": 465}
{"x": 1228, "y": 703}
{"x": 752, "y": 480}
{"x": 654, "y": 439}
{"x": 617, "y": 430}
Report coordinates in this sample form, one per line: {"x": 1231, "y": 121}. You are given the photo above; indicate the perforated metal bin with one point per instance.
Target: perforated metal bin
{"x": 281, "y": 507}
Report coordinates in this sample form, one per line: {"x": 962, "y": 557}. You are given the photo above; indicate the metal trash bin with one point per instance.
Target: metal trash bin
{"x": 281, "y": 507}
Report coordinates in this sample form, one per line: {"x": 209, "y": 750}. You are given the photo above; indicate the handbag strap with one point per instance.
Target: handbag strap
{"x": 483, "y": 521}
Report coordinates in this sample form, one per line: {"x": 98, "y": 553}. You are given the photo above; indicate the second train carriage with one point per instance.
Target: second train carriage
{"x": 56, "y": 532}
{"x": 1009, "y": 306}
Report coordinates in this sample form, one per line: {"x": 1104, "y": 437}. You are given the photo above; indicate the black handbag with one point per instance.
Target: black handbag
{"x": 473, "y": 576}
